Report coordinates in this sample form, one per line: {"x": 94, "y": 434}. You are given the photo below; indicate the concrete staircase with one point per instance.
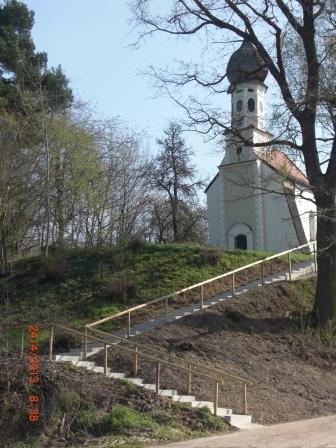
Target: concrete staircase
{"x": 239, "y": 421}
{"x": 75, "y": 356}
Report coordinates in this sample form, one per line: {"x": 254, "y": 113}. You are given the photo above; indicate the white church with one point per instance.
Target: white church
{"x": 259, "y": 199}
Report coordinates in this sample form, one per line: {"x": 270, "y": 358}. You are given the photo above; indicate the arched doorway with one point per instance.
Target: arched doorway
{"x": 241, "y": 242}
{"x": 240, "y": 237}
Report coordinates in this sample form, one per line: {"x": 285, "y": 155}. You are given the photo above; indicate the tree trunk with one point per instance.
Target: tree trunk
{"x": 59, "y": 184}
{"x": 325, "y": 299}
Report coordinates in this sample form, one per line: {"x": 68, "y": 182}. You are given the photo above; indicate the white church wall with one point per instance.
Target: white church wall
{"x": 238, "y": 194}
{"x": 307, "y": 212}
{"x": 233, "y": 143}
{"x": 215, "y": 211}
{"x": 279, "y": 230}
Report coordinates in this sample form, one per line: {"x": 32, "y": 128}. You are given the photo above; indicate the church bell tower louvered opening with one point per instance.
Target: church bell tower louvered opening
{"x": 247, "y": 72}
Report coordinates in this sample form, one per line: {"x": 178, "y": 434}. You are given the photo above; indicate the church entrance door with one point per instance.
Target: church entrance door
{"x": 241, "y": 242}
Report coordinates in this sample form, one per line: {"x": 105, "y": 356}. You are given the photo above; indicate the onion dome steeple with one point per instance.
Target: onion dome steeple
{"x": 246, "y": 64}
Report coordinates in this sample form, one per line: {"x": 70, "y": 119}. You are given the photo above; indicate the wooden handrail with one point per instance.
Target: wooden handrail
{"x": 193, "y": 369}
{"x": 171, "y": 355}
{"x": 197, "y": 285}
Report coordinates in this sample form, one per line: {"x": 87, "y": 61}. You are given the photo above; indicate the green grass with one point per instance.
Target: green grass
{"x": 122, "y": 419}
{"x": 83, "y": 285}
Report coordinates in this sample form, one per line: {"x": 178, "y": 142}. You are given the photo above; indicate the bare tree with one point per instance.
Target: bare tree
{"x": 303, "y": 80}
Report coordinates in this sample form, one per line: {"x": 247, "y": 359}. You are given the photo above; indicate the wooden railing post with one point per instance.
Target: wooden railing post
{"x": 85, "y": 343}
{"x": 315, "y": 257}
{"x": 189, "y": 379}
{"x": 166, "y": 309}
{"x": 105, "y": 359}
{"x": 51, "y": 342}
{"x": 290, "y": 266}
{"x": 245, "y": 398}
{"x": 157, "y": 379}
{"x": 136, "y": 361}
{"x": 216, "y": 393}
{"x": 22, "y": 343}
{"x": 202, "y": 299}
{"x": 128, "y": 325}
{"x": 233, "y": 286}
{"x": 262, "y": 273}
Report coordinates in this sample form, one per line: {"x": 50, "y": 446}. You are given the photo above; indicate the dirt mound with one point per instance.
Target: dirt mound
{"x": 80, "y": 408}
{"x": 262, "y": 335}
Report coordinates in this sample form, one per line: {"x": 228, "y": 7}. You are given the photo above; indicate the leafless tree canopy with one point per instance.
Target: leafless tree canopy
{"x": 296, "y": 39}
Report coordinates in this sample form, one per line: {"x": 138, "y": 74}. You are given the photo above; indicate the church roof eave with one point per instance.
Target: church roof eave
{"x": 213, "y": 180}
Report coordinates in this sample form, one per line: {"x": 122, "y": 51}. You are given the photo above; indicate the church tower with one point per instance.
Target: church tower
{"x": 254, "y": 200}
{"x": 246, "y": 72}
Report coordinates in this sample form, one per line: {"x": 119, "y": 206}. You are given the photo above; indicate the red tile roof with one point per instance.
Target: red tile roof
{"x": 281, "y": 162}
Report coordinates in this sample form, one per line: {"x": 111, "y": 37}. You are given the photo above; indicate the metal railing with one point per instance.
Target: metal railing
{"x": 200, "y": 285}
{"x": 158, "y": 357}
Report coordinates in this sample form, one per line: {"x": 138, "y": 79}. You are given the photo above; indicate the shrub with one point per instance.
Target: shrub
{"x": 119, "y": 288}
{"x": 69, "y": 400}
{"x": 210, "y": 256}
{"x": 136, "y": 244}
{"x": 121, "y": 419}
{"x": 88, "y": 419}
{"x": 54, "y": 267}
{"x": 209, "y": 421}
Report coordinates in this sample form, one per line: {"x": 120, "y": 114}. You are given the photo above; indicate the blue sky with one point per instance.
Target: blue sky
{"x": 92, "y": 41}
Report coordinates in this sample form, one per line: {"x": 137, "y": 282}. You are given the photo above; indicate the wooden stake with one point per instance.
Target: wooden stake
{"x": 105, "y": 359}
{"x": 245, "y": 398}
{"x": 51, "y": 342}
{"x": 216, "y": 394}
{"x": 85, "y": 344}
{"x": 136, "y": 361}
{"x": 157, "y": 380}
{"x": 22, "y": 343}
{"x": 189, "y": 379}
{"x": 233, "y": 286}
{"x": 128, "y": 325}
{"x": 166, "y": 309}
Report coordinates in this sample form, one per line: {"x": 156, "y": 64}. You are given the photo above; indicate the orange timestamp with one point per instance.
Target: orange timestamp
{"x": 33, "y": 372}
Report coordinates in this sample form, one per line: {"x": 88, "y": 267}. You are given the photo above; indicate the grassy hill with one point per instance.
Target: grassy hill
{"x": 82, "y": 285}
{"x": 81, "y": 408}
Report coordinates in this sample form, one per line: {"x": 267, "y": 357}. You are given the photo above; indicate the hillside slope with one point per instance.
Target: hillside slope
{"x": 83, "y": 285}
{"x": 263, "y": 336}
{"x": 79, "y": 408}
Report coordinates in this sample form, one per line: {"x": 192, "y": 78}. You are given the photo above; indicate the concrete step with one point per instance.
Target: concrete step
{"x": 223, "y": 412}
{"x": 117, "y": 375}
{"x": 149, "y": 386}
{"x": 63, "y": 357}
{"x": 168, "y": 392}
{"x": 80, "y": 352}
{"x": 86, "y": 364}
{"x": 99, "y": 369}
{"x": 137, "y": 381}
{"x": 202, "y": 404}
{"x": 183, "y": 398}
{"x": 239, "y": 421}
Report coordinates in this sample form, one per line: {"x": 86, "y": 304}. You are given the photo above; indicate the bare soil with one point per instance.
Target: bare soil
{"x": 65, "y": 392}
{"x": 261, "y": 336}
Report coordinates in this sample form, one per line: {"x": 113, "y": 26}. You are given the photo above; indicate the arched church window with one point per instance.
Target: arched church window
{"x": 239, "y": 105}
{"x": 251, "y": 104}
{"x": 241, "y": 242}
